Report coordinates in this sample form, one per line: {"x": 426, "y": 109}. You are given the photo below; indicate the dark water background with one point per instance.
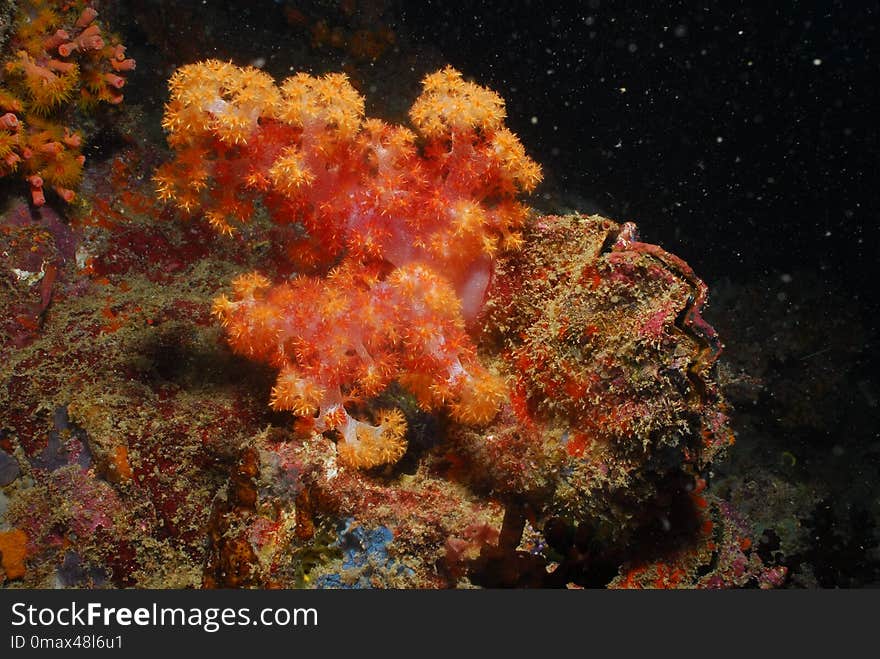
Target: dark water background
{"x": 741, "y": 136}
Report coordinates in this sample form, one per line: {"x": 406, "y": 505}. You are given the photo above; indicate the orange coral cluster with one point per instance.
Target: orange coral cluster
{"x": 405, "y": 222}
{"x": 59, "y": 54}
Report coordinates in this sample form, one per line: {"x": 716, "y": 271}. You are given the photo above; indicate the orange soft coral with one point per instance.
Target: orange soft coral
{"x": 343, "y": 339}
{"x": 357, "y": 185}
{"x": 399, "y": 227}
{"x": 59, "y": 55}
{"x": 217, "y": 99}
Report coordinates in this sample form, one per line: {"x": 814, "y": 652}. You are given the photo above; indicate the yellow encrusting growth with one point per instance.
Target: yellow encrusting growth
{"x": 59, "y": 57}
{"x": 46, "y": 88}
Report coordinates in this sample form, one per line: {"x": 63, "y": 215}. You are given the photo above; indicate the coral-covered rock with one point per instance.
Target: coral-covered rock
{"x": 611, "y": 368}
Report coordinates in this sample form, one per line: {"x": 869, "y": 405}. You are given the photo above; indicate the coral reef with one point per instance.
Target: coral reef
{"x": 60, "y": 58}
{"x": 164, "y": 467}
{"x": 482, "y": 396}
